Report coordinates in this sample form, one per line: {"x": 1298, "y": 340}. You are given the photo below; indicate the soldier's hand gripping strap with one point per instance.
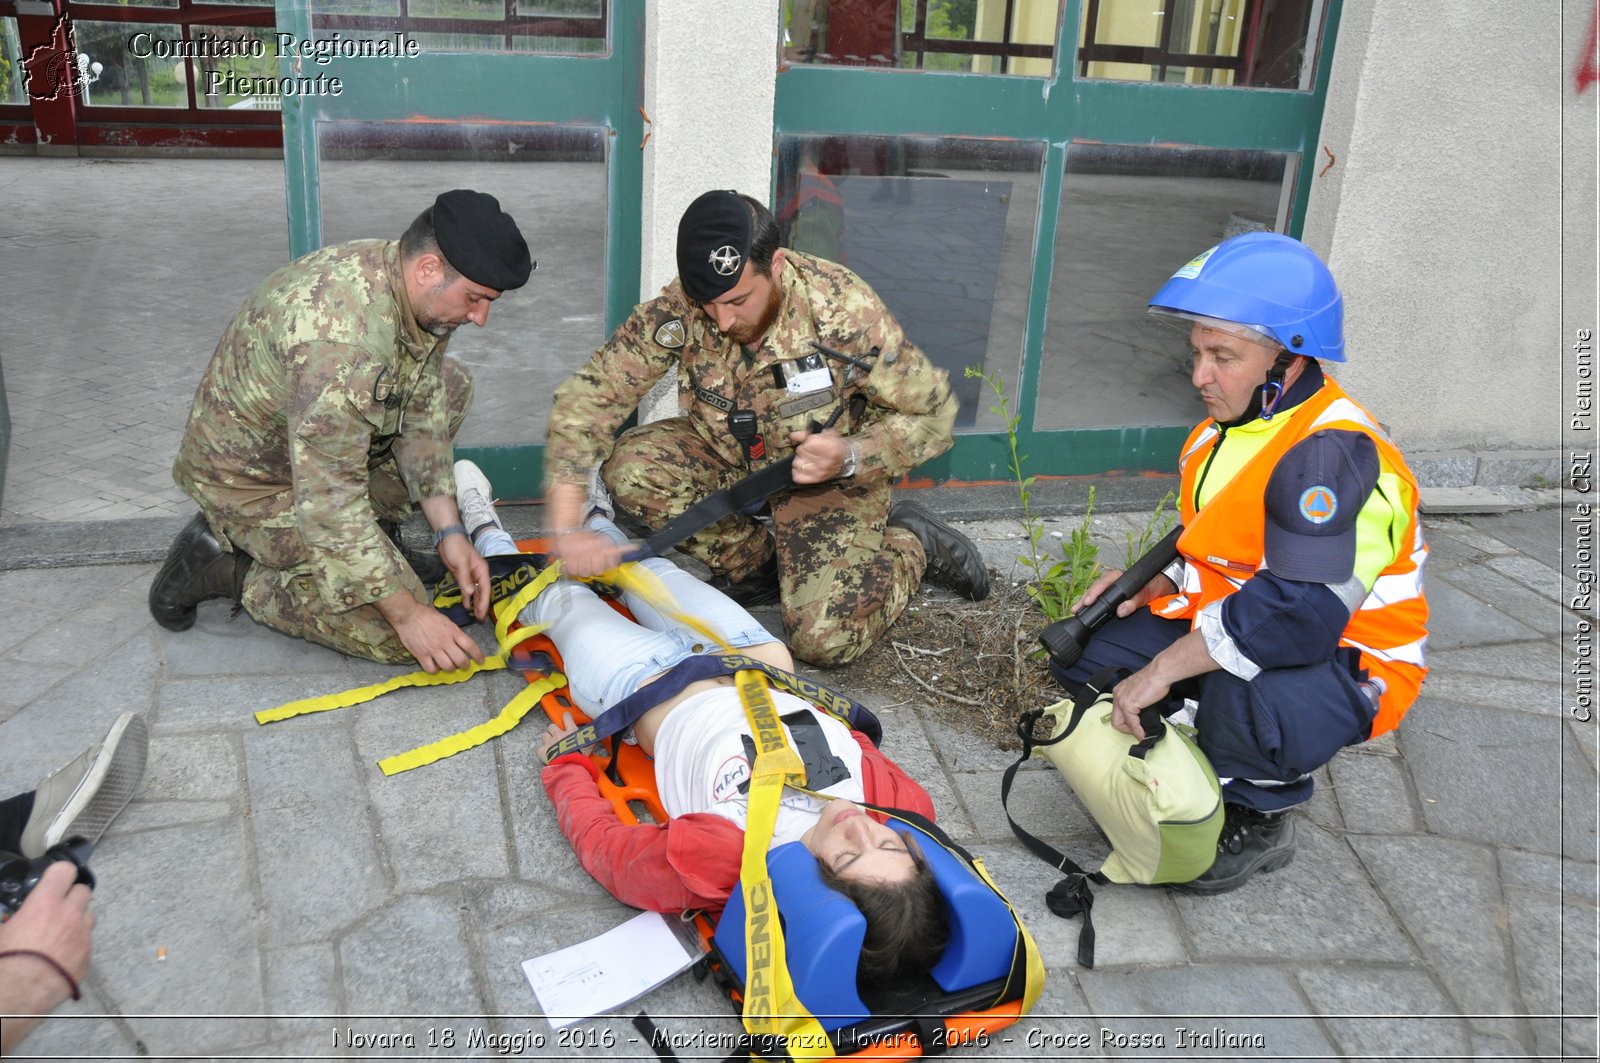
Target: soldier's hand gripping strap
{"x": 506, "y": 610}
{"x": 508, "y": 574}
{"x": 772, "y": 1012}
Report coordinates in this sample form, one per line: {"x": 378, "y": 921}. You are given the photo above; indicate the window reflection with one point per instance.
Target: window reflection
{"x": 956, "y": 36}
{"x": 10, "y": 62}
{"x": 1130, "y": 216}
{"x": 376, "y": 176}
{"x": 555, "y": 27}
{"x": 129, "y": 76}
{"x": 1245, "y": 43}
{"x": 239, "y": 82}
{"x": 941, "y": 227}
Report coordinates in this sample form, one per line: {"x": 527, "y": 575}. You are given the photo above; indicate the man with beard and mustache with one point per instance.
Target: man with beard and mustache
{"x": 326, "y": 415}
{"x": 741, "y": 328}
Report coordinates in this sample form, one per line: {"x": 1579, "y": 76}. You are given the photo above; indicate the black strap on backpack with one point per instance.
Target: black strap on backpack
{"x": 1072, "y": 895}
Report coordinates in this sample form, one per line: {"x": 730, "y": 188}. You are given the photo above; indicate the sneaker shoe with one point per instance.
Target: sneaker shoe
{"x": 81, "y": 798}
{"x": 599, "y": 503}
{"x": 759, "y": 588}
{"x": 953, "y": 562}
{"x": 1251, "y": 843}
{"x": 475, "y": 499}
{"x": 197, "y": 569}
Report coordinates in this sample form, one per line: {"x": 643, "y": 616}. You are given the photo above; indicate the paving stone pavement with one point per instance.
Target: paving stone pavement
{"x": 269, "y": 889}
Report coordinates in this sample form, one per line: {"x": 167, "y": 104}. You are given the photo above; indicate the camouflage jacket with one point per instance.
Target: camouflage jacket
{"x": 906, "y": 405}
{"x": 322, "y": 374}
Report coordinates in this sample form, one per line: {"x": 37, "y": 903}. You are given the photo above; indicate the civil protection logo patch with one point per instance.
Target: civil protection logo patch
{"x": 1318, "y": 504}
{"x": 671, "y": 334}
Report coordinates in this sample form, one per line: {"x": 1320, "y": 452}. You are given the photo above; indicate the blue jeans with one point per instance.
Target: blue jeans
{"x": 605, "y": 655}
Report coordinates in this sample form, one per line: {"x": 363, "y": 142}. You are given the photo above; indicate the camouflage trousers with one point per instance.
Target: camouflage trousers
{"x": 844, "y": 575}
{"x": 281, "y": 588}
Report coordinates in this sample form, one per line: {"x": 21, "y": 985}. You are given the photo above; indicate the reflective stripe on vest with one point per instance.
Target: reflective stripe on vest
{"x": 1223, "y": 544}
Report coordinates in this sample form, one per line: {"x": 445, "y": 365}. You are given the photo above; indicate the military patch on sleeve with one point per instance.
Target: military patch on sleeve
{"x": 383, "y": 389}
{"x": 671, "y": 334}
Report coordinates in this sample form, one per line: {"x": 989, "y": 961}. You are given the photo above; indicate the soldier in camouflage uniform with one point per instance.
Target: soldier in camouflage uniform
{"x": 738, "y": 327}
{"x": 328, "y": 407}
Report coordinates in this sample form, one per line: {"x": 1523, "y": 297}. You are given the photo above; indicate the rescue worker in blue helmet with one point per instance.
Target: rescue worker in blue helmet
{"x": 1293, "y": 621}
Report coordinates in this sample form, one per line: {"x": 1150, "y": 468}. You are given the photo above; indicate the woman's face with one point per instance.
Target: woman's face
{"x": 855, "y": 846}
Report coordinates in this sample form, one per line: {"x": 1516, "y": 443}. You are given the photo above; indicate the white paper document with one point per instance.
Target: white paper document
{"x": 604, "y": 973}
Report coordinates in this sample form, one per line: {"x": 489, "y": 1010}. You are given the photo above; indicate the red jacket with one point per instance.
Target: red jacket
{"x": 692, "y": 861}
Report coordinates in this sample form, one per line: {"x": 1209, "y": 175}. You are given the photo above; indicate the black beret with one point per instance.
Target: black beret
{"x": 713, "y": 244}
{"x": 480, "y": 241}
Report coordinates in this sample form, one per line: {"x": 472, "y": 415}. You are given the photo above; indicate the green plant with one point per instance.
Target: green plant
{"x": 1001, "y": 408}
{"x": 1156, "y": 527}
{"x": 1066, "y": 580}
{"x": 1055, "y": 585}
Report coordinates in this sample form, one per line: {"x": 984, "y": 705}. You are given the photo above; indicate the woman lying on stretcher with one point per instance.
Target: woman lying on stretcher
{"x": 700, "y": 741}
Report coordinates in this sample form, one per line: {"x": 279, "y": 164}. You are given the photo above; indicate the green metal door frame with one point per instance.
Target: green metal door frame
{"x": 481, "y": 87}
{"x": 1058, "y": 111}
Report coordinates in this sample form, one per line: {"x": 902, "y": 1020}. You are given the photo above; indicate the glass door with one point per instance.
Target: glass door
{"x": 1017, "y": 177}
{"x": 534, "y": 101}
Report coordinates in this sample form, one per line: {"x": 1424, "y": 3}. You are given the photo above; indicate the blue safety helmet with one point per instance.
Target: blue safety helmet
{"x": 1272, "y": 285}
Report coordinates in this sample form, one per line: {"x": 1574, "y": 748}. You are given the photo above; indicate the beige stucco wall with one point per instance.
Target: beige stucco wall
{"x": 709, "y": 73}
{"x": 1579, "y": 161}
{"x": 708, "y": 88}
{"x": 1441, "y": 216}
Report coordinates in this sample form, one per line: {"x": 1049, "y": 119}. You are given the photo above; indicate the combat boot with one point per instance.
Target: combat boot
{"x": 953, "y": 562}
{"x": 197, "y": 569}
{"x": 1251, "y": 843}
{"x": 425, "y": 562}
{"x": 758, "y": 588}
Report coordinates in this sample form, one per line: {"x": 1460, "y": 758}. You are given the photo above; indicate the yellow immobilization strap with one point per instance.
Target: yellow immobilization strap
{"x": 360, "y": 695}
{"x": 505, "y": 612}
{"x": 771, "y": 1008}
{"x": 1031, "y": 966}
{"x": 641, "y": 581}
{"x": 509, "y": 717}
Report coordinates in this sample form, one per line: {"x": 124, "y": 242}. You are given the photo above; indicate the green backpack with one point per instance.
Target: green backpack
{"x": 1156, "y": 798}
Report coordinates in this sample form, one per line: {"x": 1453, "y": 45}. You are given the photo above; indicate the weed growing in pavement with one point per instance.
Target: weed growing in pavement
{"x": 1055, "y": 584}
{"x": 1156, "y": 527}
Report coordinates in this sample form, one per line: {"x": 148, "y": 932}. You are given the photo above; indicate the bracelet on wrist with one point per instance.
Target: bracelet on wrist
{"x": 445, "y": 532}
{"x": 72, "y": 983}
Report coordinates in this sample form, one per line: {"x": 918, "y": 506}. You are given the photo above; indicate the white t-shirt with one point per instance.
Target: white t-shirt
{"x": 704, "y": 751}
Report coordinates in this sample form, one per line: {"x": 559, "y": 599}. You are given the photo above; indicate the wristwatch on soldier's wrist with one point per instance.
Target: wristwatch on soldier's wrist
{"x": 445, "y": 532}
{"x": 850, "y": 461}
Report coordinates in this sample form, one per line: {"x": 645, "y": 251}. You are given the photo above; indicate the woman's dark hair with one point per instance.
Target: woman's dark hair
{"x": 764, "y": 235}
{"x": 907, "y": 929}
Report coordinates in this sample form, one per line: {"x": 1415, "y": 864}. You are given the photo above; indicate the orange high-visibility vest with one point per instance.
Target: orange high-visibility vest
{"x": 1223, "y": 545}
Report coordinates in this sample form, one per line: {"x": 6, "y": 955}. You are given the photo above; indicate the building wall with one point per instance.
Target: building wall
{"x": 1441, "y": 209}
{"x": 709, "y": 75}
{"x": 1441, "y": 216}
